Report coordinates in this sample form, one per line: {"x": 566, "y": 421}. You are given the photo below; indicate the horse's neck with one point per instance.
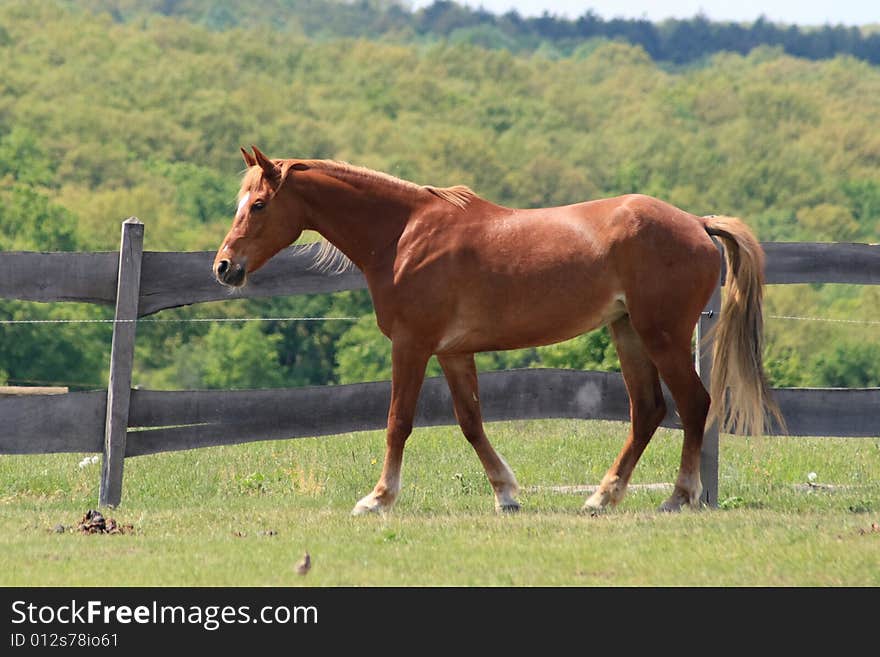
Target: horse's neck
{"x": 361, "y": 222}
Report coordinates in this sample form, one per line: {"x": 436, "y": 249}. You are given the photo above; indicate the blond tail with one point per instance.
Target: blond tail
{"x": 740, "y": 393}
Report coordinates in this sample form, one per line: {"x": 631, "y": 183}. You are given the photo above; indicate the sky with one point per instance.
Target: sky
{"x": 799, "y": 12}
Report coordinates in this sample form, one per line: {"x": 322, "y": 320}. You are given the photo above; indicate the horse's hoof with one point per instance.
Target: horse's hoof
{"x": 597, "y": 503}
{"x": 366, "y": 506}
{"x": 508, "y": 507}
{"x": 679, "y": 500}
{"x": 675, "y": 506}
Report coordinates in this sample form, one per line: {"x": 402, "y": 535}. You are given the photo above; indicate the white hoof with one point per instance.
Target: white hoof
{"x": 369, "y": 504}
{"x": 609, "y": 493}
{"x": 596, "y": 503}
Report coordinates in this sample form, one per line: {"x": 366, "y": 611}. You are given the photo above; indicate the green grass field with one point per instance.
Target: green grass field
{"x": 244, "y": 515}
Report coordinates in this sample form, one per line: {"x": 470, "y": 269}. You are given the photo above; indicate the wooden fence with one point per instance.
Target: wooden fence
{"x": 121, "y": 422}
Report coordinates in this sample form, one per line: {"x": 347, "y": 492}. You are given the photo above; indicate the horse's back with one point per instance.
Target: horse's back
{"x": 626, "y": 232}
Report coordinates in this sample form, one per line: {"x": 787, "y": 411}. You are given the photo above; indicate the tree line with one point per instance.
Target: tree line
{"x": 677, "y": 41}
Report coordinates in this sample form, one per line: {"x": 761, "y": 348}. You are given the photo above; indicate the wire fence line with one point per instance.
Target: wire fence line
{"x": 169, "y": 320}
{"x": 154, "y": 320}
{"x": 163, "y": 320}
{"x": 869, "y": 322}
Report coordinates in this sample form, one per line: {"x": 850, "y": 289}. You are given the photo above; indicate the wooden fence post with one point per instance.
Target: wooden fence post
{"x": 121, "y": 361}
{"x": 705, "y": 344}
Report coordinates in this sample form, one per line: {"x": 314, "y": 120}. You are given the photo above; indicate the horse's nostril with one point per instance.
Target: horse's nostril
{"x": 230, "y": 273}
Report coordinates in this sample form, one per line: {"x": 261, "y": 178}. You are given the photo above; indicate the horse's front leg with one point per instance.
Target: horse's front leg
{"x": 408, "y": 363}
{"x": 461, "y": 374}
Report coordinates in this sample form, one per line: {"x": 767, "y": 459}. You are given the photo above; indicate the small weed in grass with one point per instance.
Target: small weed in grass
{"x": 252, "y": 484}
{"x": 734, "y": 502}
{"x": 860, "y": 507}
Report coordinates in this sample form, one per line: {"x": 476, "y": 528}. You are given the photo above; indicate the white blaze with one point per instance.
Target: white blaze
{"x": 243, "y": 202}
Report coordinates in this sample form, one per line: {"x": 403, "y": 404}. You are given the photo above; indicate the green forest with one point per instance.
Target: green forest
{"x": 114, "y": 108}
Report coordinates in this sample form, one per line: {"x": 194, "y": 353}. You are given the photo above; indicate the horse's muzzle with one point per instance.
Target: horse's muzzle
{"x": 229, "y": 273}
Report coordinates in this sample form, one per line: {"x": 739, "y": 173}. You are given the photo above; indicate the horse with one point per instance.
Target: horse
{"x": 452, "y": 274}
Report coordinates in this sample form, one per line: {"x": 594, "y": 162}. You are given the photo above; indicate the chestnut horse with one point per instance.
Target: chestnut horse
{"x": 452, "y": 274}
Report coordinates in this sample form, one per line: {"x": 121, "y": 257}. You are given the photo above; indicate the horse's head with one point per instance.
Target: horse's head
{"x": 266, "y": 220}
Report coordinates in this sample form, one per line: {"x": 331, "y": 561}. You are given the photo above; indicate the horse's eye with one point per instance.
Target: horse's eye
{"x": 258, "y": 205}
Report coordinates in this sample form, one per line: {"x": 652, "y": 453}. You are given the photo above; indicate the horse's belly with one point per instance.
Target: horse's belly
{"x": 522, "y": 324}
{"x": 486, "y": 291}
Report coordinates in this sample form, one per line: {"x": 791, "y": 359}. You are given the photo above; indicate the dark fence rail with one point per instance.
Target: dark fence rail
{"x": 165, "y": 421}
{"x": 817, "y": 262}
{"x": 168, "y": 279}
{"x": 159, "y": 421}
{"x": 171, "y": 279}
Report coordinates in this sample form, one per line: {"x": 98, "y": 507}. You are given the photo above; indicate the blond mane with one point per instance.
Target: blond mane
{"x": 458, "y": 195}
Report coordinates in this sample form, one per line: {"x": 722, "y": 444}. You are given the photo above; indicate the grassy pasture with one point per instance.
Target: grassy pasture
{"x": 244, "y": 515}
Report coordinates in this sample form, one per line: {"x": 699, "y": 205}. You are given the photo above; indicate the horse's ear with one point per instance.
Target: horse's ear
{"x": 271, "y": 171}
{"x": 248, "y": 158}
{"x": 264, "y": 162}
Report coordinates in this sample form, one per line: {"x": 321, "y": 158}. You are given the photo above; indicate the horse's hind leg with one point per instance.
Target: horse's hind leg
{"x": 672, "y": 355}
{"x": 677, "y": 369}
{"x": 461, "y": 375}
{"x": 647, "y": 410}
